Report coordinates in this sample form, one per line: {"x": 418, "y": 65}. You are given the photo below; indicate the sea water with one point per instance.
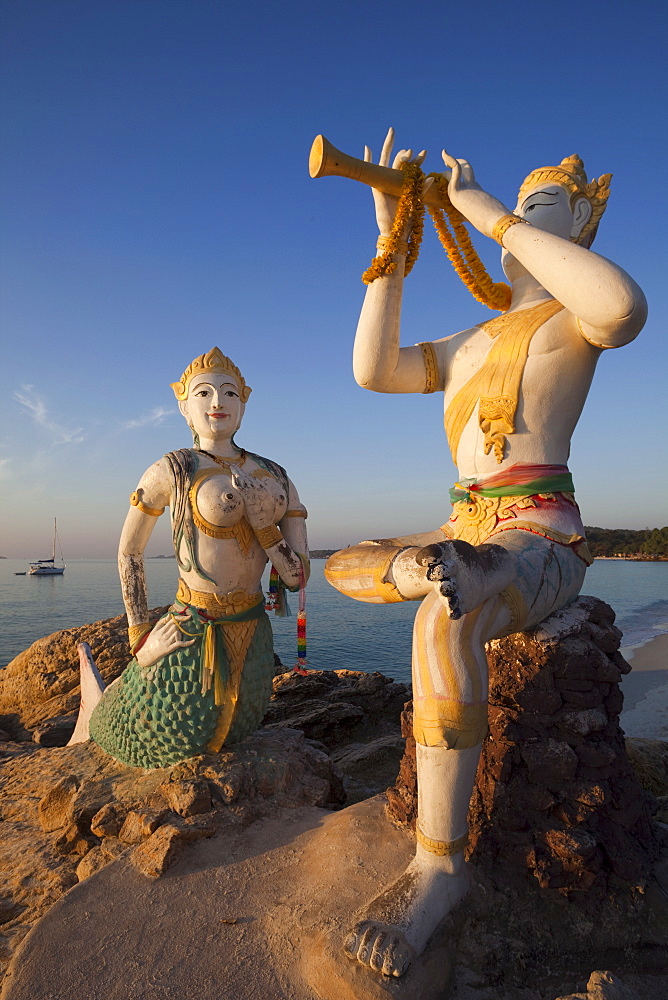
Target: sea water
{"x": 342, "y": 633}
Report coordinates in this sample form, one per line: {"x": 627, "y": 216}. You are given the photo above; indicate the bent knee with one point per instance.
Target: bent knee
{"x": 361, "y": 571}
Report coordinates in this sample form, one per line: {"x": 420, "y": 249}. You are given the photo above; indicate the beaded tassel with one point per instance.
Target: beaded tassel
{"x": 272, "y": 596}
{"x": 300, "y": 663}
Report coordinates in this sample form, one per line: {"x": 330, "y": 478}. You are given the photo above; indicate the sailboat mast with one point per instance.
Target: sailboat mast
{"x": 54, "y": 541}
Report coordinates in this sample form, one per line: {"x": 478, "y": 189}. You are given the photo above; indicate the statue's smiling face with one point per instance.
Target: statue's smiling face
{"x": 213, "y": 407}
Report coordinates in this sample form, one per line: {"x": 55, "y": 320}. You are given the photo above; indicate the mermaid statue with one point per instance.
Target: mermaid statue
{"x": 200, "y": 677}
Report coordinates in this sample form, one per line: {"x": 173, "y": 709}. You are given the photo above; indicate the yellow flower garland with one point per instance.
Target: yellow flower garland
{"x": 457, "y": 244}
{"x": 411, "y": 202}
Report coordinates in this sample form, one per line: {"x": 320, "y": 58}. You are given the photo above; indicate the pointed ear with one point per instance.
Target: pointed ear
{"x": 581, "y": 215}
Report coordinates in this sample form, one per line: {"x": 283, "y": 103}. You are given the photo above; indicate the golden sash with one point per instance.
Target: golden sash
{"x": 496, "y": 385}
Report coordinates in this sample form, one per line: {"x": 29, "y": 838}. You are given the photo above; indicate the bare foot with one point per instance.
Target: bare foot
{"x": 400, "y": 921}
{"x": 466, "y": 575}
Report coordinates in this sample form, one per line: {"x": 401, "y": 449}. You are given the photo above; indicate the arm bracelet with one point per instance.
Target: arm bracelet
{"x": 136, "y": 501}
{"x": 136, "y": 633}
{"x": 268, "y": 536}
{"x": 504, "y": 224}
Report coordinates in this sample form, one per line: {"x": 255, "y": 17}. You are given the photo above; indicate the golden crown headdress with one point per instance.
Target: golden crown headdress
{"x": 214, "y": 361}
{"x": 571, "y": 175}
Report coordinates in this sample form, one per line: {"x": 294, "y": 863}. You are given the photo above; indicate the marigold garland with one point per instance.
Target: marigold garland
{"x": 411, "y": 202}
{"x": 462, "y": 253}
{"x": 457, "y": 244}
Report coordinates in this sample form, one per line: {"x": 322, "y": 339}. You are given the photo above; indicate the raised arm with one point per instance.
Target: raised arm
{"x": 609, "y": 305}
{"x": 379, "y": 363}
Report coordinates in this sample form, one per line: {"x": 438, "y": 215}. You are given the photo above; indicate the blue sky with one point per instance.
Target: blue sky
{"x": 157, "y": 201}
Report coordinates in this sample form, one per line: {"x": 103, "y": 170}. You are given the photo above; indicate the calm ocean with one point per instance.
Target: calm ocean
{"x": 341, "y": 633}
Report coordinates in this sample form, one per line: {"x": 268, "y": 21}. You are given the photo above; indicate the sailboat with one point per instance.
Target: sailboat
{"x": 47, "y": 567}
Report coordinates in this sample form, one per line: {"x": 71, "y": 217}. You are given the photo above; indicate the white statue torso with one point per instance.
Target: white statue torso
{"x": 555, "y": 382}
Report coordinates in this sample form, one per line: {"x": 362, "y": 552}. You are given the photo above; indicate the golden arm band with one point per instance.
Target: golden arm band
{"x": 504, "y": 224}
{"x": 269, "y": 536}
{"x": 430, "y": 366}
{"x": 443, "y": 848}
{"x": 136, "y": 501}
{"x": 137, "y": 632}
{"x": 297, "y": 512}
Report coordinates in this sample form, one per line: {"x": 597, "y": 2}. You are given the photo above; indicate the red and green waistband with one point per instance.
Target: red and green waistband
{"x": 518, "y": 480}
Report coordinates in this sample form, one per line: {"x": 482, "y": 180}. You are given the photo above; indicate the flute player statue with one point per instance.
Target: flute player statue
{"x": 513, "y": 550}
{"x": 201, "y": 676}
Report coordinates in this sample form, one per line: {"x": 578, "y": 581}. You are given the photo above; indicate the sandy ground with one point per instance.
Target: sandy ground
{"x": 646, "y": 690}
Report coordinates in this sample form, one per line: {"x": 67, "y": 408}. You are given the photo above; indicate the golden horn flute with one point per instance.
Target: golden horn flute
{"x": 325, "y": 160}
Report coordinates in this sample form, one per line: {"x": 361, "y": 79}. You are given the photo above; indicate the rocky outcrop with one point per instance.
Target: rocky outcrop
{"x": 562, "y": 841}
{"x": 42, "y": 682}
{"x": 604, "y": 986}
{"x": 329, "y": 737}
{"x": 67, "y": 812}
{"x": 557, "y": 801}
{"x": 561, "y": 836}
{"x": 354, "y": 716}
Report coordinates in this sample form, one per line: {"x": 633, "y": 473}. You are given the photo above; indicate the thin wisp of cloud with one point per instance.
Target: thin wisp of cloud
{"x": 152, "y": 419}
{"x": 37, "y": 408}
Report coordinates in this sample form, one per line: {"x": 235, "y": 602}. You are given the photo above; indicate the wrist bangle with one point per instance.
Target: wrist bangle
{"x": 268, "y": 536}
{"x": 504, "y": 224}
{"x": 137, "y": 634}
{"x": 385, "y": 243}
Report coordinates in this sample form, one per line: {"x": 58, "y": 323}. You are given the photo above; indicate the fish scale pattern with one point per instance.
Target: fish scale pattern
{"x": 157, "y": 716}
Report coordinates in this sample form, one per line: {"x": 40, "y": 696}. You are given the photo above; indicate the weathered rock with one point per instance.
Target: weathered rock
{"x": 344, "y": 710}
{"x": 91, "y": 862}
{"x": 55, "y": 732}
{"x": 650, "y": 762}
{"x": 558, "y": 817}
{"x": 107, "y": 821}
{"x": 42, "y": 683}
{"x": 154, "y": 856}
{"x": 86, "y": 795}
{"x": 56, "y": 808}
{"x": 543, "y": 793}
{"x": 139, "y": 825}
{"x": 8, "y": 910}
{"x": 187, "y": 798}
{"x": 604, "y": 986}
{"x": 368, "y": 765}
{"x": 74, "y": 840}
{"x": 113, "y": 849}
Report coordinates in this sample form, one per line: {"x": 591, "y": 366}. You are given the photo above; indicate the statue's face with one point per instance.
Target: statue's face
{"x": 213, "y": 407}
{"x": 548, "y": 207}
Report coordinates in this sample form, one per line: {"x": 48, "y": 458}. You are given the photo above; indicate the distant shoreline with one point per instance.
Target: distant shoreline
{"x": 634, "y": 558}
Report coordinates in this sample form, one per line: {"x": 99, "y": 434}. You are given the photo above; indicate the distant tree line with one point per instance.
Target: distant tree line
{"x": 652, "y": 542}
